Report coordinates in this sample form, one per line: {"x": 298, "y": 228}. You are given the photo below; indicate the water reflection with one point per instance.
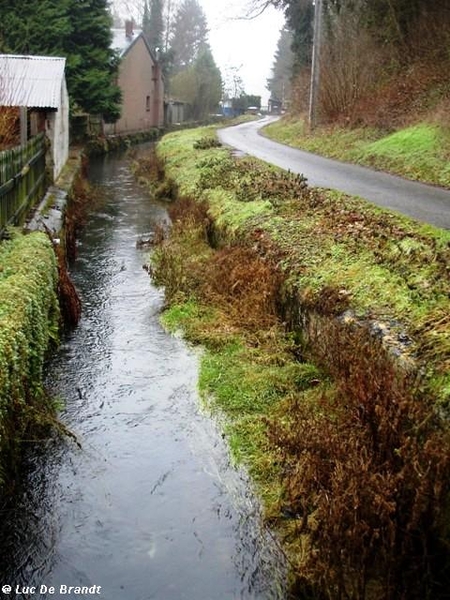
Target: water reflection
{"x": 149, "y": 506}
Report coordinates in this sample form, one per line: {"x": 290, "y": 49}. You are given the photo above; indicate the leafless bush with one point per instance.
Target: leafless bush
{"x": 299, "y": 101}
{"x": 351, "y": 66}
{"x": 429, "y": 37}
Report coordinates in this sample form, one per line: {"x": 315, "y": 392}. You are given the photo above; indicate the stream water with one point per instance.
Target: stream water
{"x": 149, "y": 506}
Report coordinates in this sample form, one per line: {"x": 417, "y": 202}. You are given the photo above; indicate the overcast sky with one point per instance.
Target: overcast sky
{"x": 248, "y": 45}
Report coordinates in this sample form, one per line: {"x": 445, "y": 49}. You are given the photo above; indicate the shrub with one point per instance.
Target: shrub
{"x": 29, "y": 322}
{"x": 351, "y": 66}
{"x": 365, "y": 474}
{"x": 207, "y": 142}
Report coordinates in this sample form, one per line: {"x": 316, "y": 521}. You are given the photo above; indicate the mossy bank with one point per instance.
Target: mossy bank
{"x": 326, "y": 328}
{"x": 29, "y": 325}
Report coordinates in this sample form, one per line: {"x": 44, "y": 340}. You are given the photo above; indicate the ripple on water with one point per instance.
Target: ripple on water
{"x": 149, "y": 506}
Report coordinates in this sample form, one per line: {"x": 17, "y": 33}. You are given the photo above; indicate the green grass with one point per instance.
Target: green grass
{"x": 334, "y": 142}
{"x": 420, "y": 152}
{"x": 246, "y": 381}
{"x": 355, "y": 282}
{"x": 377, "y": 264}
{"x": 247, "y": 384}
{"x": 231, "y": 214}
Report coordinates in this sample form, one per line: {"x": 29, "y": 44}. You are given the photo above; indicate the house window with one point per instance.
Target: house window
{"x": 147, "y": 103}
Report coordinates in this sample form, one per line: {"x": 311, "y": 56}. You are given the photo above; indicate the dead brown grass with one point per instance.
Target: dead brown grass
{"x": 241, "y": 280}
{"x": 149, "y": 166}
{"x": 365, "y": 472}
{"x": 236, "y": 278}
{"x": 69, "y": 300}
{"x": 150, "y": 169}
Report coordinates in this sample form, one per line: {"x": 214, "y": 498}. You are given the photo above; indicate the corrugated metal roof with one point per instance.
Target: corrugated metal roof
{"x": 33, "y": 81}
{"x": 120, "y": 40}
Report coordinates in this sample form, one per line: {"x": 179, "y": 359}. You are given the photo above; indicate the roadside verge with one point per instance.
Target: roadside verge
{"x": 325, "y": 322}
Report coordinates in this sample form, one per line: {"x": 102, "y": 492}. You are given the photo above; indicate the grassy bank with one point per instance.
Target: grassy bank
{"x": 420, "y": 152}
{"x": 326, "y": 333}
{"x": 29, "y": 322}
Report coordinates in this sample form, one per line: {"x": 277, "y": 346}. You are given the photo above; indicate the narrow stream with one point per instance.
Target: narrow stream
{"x": 149, "y": 506}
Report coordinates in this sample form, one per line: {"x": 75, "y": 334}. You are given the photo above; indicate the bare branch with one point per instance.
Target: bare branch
{"x": 255, "y": 8}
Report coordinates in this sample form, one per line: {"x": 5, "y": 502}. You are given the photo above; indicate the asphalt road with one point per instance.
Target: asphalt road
{"x": 425, "y": 203}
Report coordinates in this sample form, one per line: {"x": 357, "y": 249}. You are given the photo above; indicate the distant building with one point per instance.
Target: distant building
{"x": 275, "y": 107}
{"x": 37, "y": 85}
{"x": 141, "y": 82}
{"x": 175, "y": 112}
{"x": 227, "y": 108}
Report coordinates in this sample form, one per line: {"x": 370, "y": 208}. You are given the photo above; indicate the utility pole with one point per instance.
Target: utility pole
{"x": 315, "y": 66}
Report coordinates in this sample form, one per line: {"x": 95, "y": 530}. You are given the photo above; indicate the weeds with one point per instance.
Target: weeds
{"x": 150, "y": 171}
{"x": 149, "y": 168}
{"x": 241, "y": 282}
{"x": 250, "y": 180}
{"x": 245, "y": 284}
{"x": 179, "y": 262}
{"x": 207, "y": 142}
{"x": 82, "y": 197}
{"x": 365, "y": 472}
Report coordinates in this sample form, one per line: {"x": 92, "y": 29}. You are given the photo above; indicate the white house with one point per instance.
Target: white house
{"x": 37, "y": 85}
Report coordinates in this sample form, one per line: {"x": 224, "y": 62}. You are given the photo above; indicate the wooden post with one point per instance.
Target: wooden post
{"x": 315, "y": 66}
{"x": 23, "y": 125}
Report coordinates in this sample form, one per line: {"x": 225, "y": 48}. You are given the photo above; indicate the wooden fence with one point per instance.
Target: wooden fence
{"x": 22, "y": 180}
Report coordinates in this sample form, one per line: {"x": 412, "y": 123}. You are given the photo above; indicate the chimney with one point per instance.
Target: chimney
{"x": 129, "y": 29}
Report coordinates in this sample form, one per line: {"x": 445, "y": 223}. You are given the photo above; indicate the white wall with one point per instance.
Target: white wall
{"x": 57, "y": 130}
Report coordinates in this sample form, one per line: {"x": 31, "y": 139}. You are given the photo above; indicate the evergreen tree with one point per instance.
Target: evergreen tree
{"x": 146, "y": 27}
{"x": 300, "y": 19}
{"x": 279, "y": 85}
{"x": 34, "y": 26}
{"x": 189, "y": 33}
{"x": 153, "y": 24}
{"x": 200, "y": 84}
{"x": 209, "y": 84}
{"x": 392, "y": 21}
{"x": 92, "y": 64}
{"x": 80, "y": 30}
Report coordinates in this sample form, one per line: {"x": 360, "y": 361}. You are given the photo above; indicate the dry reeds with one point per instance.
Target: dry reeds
{"x": 366, "y": 470}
